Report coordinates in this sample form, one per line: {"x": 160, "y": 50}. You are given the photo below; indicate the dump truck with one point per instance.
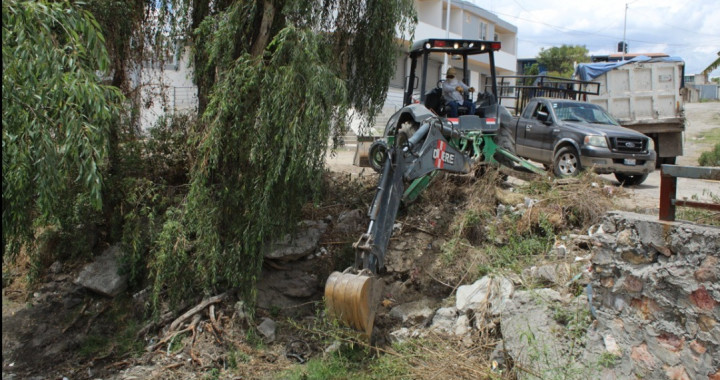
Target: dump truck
{"x": 643, "y": 94}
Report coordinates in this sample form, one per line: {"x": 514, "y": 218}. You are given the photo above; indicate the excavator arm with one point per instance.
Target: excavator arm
{"x": 353, "y": 295}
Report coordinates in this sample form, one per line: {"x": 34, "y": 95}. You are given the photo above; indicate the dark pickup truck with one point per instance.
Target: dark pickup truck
{"x": 570, "y": 136}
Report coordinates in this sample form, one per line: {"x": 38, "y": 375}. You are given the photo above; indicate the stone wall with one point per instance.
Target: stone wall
{"x": 656, "y": 295}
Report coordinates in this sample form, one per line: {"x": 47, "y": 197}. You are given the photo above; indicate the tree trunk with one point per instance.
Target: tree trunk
{"x": 264, "y": 32}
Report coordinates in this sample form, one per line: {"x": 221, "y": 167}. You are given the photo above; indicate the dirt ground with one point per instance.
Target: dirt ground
{"x": 701, "y": 117}
{"x": 52, "y": 330}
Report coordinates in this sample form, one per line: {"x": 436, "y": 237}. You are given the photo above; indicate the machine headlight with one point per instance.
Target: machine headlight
{"x": 595, "y": 140}
{"x": 651, "y": 144}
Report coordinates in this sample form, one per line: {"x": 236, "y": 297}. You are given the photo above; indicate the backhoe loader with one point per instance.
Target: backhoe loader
{"x": 417, "y": 143}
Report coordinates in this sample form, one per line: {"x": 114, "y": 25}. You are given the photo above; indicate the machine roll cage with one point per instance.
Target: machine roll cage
{"x": 464, "y": 48}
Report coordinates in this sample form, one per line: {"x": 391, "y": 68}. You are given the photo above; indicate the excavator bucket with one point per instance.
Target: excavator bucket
{"x": 362, "y": 151}
{"x": 352, "y": 300}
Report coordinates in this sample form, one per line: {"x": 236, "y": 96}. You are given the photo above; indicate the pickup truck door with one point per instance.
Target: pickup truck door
{"x": 534, "y": 137}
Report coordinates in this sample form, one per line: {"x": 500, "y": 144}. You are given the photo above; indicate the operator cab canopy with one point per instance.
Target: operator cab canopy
{"x": 455, "y": 47}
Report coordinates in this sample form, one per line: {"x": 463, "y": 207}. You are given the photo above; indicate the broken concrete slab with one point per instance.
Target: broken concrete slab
{"x": 415, "y": 313}
{"x": 267, "y": 328}
{"x": 101, "y": 276}
{"x": 490, "y": 293}
{"x": 530, "y": 334}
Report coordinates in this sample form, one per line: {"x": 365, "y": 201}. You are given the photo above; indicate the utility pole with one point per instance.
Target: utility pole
{"x": 624, "y": 47}
{"x": 447, "y": 36}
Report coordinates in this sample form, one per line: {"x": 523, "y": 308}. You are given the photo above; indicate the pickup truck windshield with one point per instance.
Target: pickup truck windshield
{"x": 582, "y": 112}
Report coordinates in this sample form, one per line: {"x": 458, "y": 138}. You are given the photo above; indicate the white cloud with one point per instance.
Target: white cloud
{"x": 689, "y": 29}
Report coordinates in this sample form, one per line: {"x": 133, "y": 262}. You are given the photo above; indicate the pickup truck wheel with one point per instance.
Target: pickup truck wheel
{"x": 630, "y": 179}
{"x": 566, "y": 162}
{"x": 504, "y": 140}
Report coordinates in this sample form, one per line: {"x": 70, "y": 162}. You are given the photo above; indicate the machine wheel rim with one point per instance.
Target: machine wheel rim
{"x": 567, "y": 163}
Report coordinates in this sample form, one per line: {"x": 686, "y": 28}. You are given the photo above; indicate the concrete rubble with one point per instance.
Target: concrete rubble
{"x": 651, "y": 306}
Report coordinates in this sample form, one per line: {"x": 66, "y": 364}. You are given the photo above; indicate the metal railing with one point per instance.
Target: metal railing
{"x": 668, "y": 187}
{"x": 517, "y": 90}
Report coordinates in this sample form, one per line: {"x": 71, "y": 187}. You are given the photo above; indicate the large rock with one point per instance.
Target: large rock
{"x": 285, "y": 289}
{"x": 302, "y": 243}
{"x": 445, "y": 320}
{"x": 486, "y": 294}
{"x": 529, "y": 333}
{"x": 267, "y": 328}
{"x": 418, "y": 312}
{"x": 350, "y": 221}
{"x": 102, "y": 276}
{"x": 294, "y": 283}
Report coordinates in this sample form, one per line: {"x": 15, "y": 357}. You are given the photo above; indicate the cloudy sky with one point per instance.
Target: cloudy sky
{"x": 689, "y": 29}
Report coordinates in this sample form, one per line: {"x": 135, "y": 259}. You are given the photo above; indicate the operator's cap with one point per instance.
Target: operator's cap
{"x": 450, "y": 72}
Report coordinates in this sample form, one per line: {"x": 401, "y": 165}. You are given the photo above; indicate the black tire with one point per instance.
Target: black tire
{"x": 566, "y": 162}
{"x": 377, "y": 155}
{"x": 504, "y": 139}
{"x": 630, "y": 179}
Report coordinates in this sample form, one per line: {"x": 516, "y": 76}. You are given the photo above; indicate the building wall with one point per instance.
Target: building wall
{"x": 167, "y": 92}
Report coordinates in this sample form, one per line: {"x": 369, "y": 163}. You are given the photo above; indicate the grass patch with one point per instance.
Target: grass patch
{"x": 711, "y": 136}
{"x": 92, "y": 345}
{"x": 516, "y": 249}
{"x": 431, "y": 357}
{"x": 699, "y": 215}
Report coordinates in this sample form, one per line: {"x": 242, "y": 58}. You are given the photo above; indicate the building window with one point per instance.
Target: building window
{"x": 483, "y": 30}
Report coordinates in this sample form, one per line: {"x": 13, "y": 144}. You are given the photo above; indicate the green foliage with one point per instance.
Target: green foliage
{"x": 56, "y": 116}
{"x": 518, "y": 249}
{"x": 710, "y": 158}
{"x": 236, "y": 357}
{"x": 151, "y": 178}
{"x": 560, "y": 61}
{"x": 275, "y": 99}
{"x": 337, "y": 365}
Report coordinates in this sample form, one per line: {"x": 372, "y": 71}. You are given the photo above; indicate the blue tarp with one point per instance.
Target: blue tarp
{"x": 590, "y": 71}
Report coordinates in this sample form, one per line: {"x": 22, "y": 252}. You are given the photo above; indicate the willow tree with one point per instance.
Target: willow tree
{"x": 280, "y": 78}
{"x": 56, "y": 116}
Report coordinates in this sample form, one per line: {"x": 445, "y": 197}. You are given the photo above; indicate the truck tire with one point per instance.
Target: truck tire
{"x": 566, "y": 162}
{"x": 378, "y": 154}
{"x": 503, "y": 139}
{"x": 630, "y": 179}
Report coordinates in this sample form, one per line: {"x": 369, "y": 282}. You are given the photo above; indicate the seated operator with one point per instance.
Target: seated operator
{"x": 453, "y": 92}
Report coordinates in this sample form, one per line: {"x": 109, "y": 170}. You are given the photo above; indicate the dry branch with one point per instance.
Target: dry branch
{"x": 164, "y": 319}
{"x": 172, "y": 334}
{"x": 209, "y": 301}
{"x": 77, "y": 317}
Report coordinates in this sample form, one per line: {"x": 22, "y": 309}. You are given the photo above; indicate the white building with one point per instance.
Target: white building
{"x": 467, "y": 21}
{"x": 167, "y": 91}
